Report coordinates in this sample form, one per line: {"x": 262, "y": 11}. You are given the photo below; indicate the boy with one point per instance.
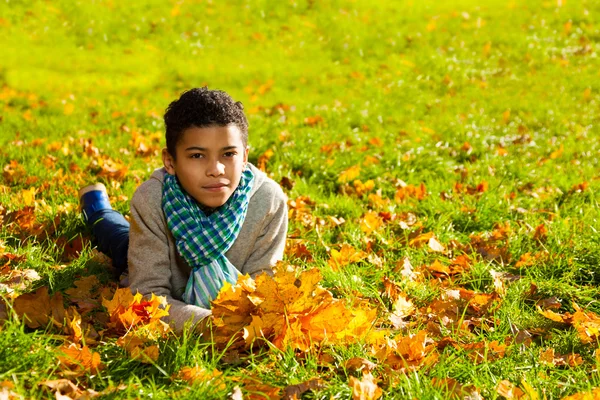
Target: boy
{"x": 205, "y": 217}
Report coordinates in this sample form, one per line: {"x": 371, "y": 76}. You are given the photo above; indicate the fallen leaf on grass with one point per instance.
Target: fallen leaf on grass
{"x": 346, "y": 255}
{"x": 127, "y": 310}
{"x": 359, "y": 364}
{"x": 406, "y": 353}
{"x": 294, "y": 392}
{"x": 64, "y": 389}
{"x": 401, "y": 309}
{"x": 19, "y": 279}
{"x": 254, "y": 389}
{"x": 594, "y": 394}
{"x": 287, "y": 310}
{"x": 6, "y": 391}
{"x": 371, "y": 222}
{"x": 510, "y": 391}
{"x": 586, "y": 323}
{"x": 77, "y": 360}
{"x": 197, "y": 374}
{"x": 365, "y": 388}
{"x": 550, "y": 357}
{"x": 39, "y": 308}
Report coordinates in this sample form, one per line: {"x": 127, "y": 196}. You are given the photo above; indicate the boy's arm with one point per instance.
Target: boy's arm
{"x": 149, "y": 256}
{"x": 270, "y": 244}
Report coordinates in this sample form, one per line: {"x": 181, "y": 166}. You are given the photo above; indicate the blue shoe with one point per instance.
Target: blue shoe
{"x": 93, "y": 198}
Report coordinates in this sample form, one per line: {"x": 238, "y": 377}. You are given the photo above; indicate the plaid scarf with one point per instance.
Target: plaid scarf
{"x": 202, "y": 240}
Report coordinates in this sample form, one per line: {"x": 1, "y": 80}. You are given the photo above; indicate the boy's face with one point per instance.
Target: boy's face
{"x": 209, "y": 163}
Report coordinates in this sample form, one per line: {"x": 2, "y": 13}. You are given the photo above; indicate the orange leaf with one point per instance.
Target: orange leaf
{"x": 79, "y": 360}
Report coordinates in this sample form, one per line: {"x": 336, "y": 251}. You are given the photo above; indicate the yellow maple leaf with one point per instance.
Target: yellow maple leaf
{"x": 346, "y": 255}
{"x": 349, "y": 174}
{"x": 370, "y": 222}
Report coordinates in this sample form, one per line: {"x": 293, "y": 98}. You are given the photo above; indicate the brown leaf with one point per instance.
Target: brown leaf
{"x": 356, "y": 364}
{"x": 293, "y": 392}
{"x": 64, "y": 389}
{"x": 39, "y": 308}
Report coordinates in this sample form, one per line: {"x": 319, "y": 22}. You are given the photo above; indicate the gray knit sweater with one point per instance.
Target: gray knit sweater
{"x": 156, "y": 267}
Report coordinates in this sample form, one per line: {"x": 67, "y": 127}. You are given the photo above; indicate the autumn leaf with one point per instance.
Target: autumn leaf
{"x": 455, "y": 390}
{"x": 401, "y": 309}
{"x": 64, "y": 389}
{"x": 83, "y": 294}
{"x": 264, "y": 159}
{"x": 552, "y": 315}
{"x": 139, "y": 348}
{"x": 346, "y": 255}
{"x": 356, "y": 364}
{"x": 410, "y": 192}
{"x": 365, "y": 388}
{"x": 127, "y": 310}
{"x": 39, "y": 308}
{"x": 77, "y": 360}
{"x": 587, "y": 325}
{"x": 349, "y": 174}
{"x": 314, "y": 120}
{"x": 289, "y": 310}
{"x": 510, "y": 391}
{"x": 551, "y": 358}
{"x": 406, "y": 353}
{"x": 371, "y": 222}
{"x": 293, "y": 391}
{"x": 594, "y": 394}
{"x": 197, "y": 374}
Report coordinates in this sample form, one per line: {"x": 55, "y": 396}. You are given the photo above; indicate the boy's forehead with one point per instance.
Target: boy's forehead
{"x": 212, "y": 134}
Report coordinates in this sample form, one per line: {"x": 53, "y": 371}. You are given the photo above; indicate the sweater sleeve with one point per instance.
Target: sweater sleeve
{"x": 149, "y": 256}
{"x": 270, "y": 244}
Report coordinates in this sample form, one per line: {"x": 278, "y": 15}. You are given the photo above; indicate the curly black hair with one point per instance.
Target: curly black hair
{"x": 201, "y": 107}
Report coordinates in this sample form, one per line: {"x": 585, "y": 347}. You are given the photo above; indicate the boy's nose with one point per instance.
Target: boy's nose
{"x": 215, "y": 168}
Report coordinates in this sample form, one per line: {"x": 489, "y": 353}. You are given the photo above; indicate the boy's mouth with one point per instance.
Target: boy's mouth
{"x": 215, "y": 186}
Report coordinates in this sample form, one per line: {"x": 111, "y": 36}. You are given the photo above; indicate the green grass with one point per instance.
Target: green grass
{"x": 82, "y": 83}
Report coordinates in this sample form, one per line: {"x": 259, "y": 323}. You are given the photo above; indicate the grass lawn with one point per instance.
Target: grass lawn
{"x": 441, "y": 164}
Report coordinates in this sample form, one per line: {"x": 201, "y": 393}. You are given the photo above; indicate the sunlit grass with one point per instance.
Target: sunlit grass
{"x": 492, "y": 106}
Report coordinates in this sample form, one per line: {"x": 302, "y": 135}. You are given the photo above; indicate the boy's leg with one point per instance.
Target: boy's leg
{"x": 111, "y": 231}
{"x": 109, "y": 227}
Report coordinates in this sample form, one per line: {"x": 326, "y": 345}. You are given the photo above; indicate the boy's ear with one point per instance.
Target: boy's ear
{"x": 246, "y": 155}
{"x": 168, "y": 161}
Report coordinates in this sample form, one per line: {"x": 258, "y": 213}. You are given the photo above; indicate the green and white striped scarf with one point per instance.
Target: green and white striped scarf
{"x": 202, "y": 240}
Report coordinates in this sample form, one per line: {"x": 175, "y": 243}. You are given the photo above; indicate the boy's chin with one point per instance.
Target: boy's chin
{"x": 212, "y": 203}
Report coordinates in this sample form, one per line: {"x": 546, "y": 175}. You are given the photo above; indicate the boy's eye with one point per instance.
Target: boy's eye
{"x": 230, "y": 154}
{"x": 196, "y": 155}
